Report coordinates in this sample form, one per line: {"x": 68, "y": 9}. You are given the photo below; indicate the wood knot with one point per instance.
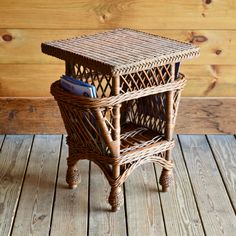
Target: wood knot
{"x": 32, "y": 109}
{"x": 207, "y": 2}
{"x": 105, "y": 17}
{"x": 197, "y": 38}
{"x": 7, "y": 37}
{"x": 12, "y": 114}
{"x": 218, "y": 52}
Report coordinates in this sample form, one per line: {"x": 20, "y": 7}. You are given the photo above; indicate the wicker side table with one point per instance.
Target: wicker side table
{"x": 131, "y": 121}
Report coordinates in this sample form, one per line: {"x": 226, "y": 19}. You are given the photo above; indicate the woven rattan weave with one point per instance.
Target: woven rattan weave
{"x": 131, "y": 121}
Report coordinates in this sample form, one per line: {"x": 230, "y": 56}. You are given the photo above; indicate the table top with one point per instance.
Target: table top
{"x": 120, "y": 51}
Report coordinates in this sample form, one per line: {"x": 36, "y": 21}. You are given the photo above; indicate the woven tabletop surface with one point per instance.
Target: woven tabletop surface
{"x": 120, "y": 51}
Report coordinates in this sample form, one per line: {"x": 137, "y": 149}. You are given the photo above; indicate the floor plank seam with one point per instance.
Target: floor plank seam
{"x": 191, "y": 184}
{"x": 221, "y": 175}
{"x": 2, "y": 143}
{"x": 22, "y": 184}
{"x": 125, "y": 206}
{"x": 55, "y": 185}
{"x": 158, "y": 189}
{"x": 88, "y": 210}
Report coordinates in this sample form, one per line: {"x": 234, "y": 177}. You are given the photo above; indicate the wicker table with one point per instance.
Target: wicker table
{"x": 132, "y": 119}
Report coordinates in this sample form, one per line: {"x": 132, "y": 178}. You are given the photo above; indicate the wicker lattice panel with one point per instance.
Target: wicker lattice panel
{"x": 147, "y": 113}
{"x": 102, "y": 82}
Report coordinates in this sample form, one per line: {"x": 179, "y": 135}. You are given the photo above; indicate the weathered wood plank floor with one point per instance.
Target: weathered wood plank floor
{"x": 35, "y": 200}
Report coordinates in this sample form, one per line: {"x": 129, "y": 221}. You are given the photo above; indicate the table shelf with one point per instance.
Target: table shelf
{"x": 134, "y": 137}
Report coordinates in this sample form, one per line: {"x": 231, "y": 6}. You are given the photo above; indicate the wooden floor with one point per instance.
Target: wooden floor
{"x": 35, "y": 200}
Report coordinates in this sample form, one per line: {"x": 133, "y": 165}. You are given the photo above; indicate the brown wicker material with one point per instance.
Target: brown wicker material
{"x": 121, "y": 51}
{"x": 131, "y": 121}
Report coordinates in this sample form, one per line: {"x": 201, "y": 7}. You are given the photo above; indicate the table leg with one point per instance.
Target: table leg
{"x": 72, "y": 174}
{"x": 115, "y": 197}
{"x": 166, "y": 177}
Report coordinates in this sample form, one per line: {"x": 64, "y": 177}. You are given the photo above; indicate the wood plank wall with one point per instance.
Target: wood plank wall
{"x": 26, "y": 73}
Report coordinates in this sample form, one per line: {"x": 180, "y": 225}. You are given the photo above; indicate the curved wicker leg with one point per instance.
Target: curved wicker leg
{"x": 72, "y": 174}
{"x": 116, "y": 198}
{"x": 166, "y": 179}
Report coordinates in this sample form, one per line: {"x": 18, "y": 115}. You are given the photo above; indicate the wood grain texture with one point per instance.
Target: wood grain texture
{"x": 21, "y": 80}
{"x": 29, "y": 116}
{"x": 196, "y": 115}
{"x": 224, "y": 149}
{"x": 71, "y": 205}
{"x": 217, "y": 46}
{"x": 178, "y": 205}
{"x": 179, "y": 202}
{"x": 14, "y": 156}
{"x": 28, "y": 80}
{"x": 206, "y": 116}
{"x": 210, "y": 81}
{"x": 214, "y": 205}
{"x": 144, "y": 214}
{"x": 34, "y": 211}
{"x": 122, "y": 13}
{"x": 101, "y": 220}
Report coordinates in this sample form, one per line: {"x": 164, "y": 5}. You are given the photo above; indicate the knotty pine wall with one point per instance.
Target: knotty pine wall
{"x": 26, "y": 73}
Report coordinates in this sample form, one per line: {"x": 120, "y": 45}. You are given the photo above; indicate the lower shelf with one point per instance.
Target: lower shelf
{"x": 134, "y": 138}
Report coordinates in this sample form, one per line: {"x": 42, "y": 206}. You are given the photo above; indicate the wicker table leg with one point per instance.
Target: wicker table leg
{"x": 166, "y": 177}
{"x": 72, "y": 177}
{"x": 72, "y": 174}
{"x": 115, "y": 197}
